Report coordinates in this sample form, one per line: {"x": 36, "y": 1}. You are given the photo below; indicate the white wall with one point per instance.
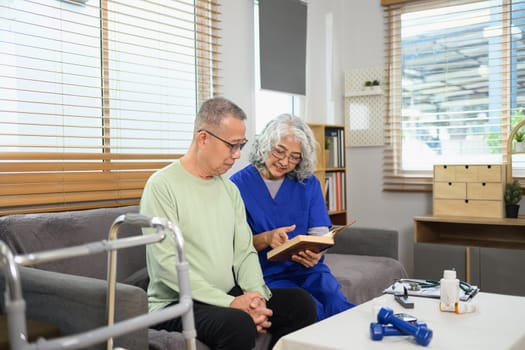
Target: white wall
{"x": 324, "y": 80}
{"x": 238, "y": 62}
{"x": 342, "y": 35}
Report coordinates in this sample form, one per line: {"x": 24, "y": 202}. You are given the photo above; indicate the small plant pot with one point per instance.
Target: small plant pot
{"x": 511, "y": 210}
{"x": 519, "y": 146}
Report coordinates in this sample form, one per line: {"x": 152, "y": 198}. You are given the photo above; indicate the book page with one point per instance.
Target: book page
{"x": 338, "y": 229}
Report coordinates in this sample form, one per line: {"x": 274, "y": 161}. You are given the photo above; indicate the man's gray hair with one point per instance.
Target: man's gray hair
{"x": 213, "y": 111}
{"x": 273, "y": 132}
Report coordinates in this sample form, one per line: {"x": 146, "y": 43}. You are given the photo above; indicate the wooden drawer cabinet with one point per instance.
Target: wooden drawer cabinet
{"x": 469, "y": 190}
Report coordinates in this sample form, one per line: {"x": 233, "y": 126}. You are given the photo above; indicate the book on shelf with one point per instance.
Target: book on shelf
{"x": 334, "y": 191}
{"x": 299, "y": 243}
{"x": 336, "y": 147}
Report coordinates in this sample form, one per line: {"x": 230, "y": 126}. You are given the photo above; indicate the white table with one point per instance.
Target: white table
{"x": 498, "y": 323}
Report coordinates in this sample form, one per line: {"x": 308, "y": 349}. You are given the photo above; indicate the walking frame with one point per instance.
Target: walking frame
{"x": 15, "y": 304}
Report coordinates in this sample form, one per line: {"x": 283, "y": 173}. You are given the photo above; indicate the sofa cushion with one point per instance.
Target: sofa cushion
{"x": 366, "y": 241}
{"x": 30, "y": 233}
{"x": 139, "y": 279}
{"x": 362, "y": 277}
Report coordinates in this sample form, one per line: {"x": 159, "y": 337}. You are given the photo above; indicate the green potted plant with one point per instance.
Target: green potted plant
{"x": 512, "y": 198}
{"x": 519, "y": 137}
{"x": 375, "y": 85}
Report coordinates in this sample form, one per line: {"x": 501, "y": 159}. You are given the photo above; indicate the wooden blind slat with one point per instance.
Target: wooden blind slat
{"x": 57, "y": 207}
{"x": 94, "y": 177}
{"x": 395, "y": 2}
{"x": 75, "y": 197}
{"x": 82, "y": 156}
{"x": 26, "y": 189}
{"x": 79, "y": 166}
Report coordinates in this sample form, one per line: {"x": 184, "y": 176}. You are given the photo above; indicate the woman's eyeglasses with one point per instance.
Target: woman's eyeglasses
{"x": 234, "y": 147}
{"x": 281, "y": 154}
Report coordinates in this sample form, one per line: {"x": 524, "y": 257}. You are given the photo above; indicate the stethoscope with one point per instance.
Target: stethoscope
{"x": 417, "y": 285}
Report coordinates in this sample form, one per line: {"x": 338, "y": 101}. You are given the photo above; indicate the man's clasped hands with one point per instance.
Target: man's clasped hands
{"x": 255, "y": 305}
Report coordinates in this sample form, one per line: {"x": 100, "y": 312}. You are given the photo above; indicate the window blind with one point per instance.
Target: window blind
{"x": 96, "y": 96}
{"x": 455, "y": 86}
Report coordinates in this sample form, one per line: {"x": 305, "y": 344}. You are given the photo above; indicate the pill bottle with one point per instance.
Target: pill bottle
{"x": 449, "y": 291}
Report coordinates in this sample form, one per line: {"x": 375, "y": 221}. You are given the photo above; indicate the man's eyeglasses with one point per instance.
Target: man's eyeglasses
{"x": 281, "y": 154}
{"x": 234, "y": 147}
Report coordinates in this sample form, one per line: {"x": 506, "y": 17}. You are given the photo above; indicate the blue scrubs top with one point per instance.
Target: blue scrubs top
{"x": 302, "y": 204}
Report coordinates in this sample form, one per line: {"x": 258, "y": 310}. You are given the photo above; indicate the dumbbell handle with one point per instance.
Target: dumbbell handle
{"x": 378, "y": 330}
{"x": 422, "y": 335}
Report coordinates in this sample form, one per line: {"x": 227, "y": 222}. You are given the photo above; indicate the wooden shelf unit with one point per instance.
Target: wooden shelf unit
{"x": 477, "y": 235}
{"x": 471, "y": 231}
{"x": 336, "y": 169}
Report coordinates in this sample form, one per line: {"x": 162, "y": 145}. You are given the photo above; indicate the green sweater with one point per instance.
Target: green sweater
{"x": 217, "y": 238}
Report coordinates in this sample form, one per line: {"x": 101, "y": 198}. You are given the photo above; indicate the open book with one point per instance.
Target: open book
{"x": 299, "y": 243}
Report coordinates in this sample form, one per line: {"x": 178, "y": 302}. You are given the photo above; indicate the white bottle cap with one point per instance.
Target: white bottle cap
{"x": 449, "y": 274}
{"x": 464, "y": 307}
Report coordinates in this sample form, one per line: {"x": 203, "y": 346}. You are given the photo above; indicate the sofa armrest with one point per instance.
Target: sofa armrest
{"x": 77, "y": 304}
{"x": 366, "y": 241}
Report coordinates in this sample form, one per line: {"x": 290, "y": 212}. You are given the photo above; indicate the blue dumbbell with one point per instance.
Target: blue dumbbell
{"x": 423, "y": 335}
{"x": 378, "y": 330}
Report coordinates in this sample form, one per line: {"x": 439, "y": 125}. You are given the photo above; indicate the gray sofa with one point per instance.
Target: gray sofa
{"x": 71, "y": 294}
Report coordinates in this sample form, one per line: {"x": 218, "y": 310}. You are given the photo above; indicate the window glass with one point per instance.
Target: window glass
{"x": 50, "y": 82}
{"x": 152, "y": 77}
{"x": 58, "y": 96}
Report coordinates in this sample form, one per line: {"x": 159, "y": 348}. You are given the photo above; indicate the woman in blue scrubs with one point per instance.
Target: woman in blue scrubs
{"x": 283, "y": 199}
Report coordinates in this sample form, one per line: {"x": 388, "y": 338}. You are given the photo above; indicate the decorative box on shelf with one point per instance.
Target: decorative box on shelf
{"x": 469, "y": 190}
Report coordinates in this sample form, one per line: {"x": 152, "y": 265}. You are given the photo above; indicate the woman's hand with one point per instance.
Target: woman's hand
{"x": 278, "y": 236}
{"x": 307, "y": 258}
{"x": 273, "y": 238}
